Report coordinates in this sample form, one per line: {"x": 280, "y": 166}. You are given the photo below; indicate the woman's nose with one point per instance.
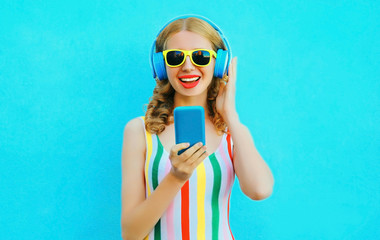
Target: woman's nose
{"x": 188, "y": 65}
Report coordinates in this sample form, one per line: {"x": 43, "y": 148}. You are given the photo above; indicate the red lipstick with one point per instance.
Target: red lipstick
{"x": 189, "y": 81}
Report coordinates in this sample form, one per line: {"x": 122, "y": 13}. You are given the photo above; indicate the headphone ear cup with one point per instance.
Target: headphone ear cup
{"x": 221, "y": 63}
{"x": 159, "y": 66}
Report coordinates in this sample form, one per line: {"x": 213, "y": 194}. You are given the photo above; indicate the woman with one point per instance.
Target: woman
{"x": 166, "y": 195}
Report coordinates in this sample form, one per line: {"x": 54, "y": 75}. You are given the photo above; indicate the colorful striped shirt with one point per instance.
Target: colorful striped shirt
{"x": 200, "y": 209}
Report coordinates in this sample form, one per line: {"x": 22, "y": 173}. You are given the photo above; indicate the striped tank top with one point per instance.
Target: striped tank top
{"x": 200, "y": 209}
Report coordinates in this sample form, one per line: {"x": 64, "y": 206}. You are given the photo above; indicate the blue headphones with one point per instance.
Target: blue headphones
{"x": 223, "y": 58}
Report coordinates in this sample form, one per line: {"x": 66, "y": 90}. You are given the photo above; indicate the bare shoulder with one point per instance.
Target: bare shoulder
{"x": 134, "y": 126}
{"x": 134, "y": 135}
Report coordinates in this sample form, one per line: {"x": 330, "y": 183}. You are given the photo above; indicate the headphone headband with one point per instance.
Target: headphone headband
{"x": 153, "y": 49}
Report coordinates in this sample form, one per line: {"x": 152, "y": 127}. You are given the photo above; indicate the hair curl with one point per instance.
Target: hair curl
{"x": 159, "y": 112}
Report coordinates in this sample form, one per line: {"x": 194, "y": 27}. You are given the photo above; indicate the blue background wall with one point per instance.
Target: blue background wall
{"x": 72, "y": 73}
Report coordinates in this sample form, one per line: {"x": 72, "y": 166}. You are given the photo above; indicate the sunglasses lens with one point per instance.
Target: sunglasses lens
{"x": 174, "y": 57}
{"x": 201, "y": 57}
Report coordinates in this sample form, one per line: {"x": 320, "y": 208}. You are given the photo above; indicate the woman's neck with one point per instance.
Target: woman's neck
{"x": 200, "y": 100}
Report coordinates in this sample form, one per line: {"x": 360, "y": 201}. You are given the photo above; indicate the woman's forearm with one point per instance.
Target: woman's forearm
{"x": 140, "y": 221}
{"x": 255, "y": 177}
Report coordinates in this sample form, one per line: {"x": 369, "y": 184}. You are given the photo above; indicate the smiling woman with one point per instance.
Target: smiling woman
{"x": 167, "y": 195}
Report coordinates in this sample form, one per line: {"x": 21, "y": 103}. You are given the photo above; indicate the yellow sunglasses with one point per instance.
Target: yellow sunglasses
{"x": 199, "y": 57}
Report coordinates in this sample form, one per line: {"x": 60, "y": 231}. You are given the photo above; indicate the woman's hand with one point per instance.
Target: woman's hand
{"x": 225, "y": 101}
{"x": 184, "y": 164}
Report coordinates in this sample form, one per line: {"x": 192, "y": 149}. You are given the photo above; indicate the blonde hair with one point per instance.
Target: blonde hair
{"x": 159, "y": 112}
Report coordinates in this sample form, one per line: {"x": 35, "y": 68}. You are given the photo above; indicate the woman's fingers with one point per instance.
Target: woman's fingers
{"x": 189, "y": 152}
{"x": 232, "y": 69}
{"x": 232, "y": 75}
{"x": 202, "y": 154}
{"x": 198, "y": 154}
{"x": 178, "y": 147}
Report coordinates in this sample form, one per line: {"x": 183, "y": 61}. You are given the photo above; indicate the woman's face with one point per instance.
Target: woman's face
{"x": 187, "y": 71}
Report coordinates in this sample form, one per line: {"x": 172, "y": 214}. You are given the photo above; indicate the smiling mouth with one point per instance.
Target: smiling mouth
{"x": 189, "y": 80}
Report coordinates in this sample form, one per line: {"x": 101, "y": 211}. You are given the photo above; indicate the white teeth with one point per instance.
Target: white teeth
{"x": 189, "y": 79}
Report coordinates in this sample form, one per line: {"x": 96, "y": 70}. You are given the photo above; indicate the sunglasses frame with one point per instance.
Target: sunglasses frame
{"x": 189, "y": 53}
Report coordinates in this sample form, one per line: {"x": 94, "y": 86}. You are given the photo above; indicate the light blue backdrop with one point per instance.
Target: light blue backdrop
{"x": 72, "y": 73}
